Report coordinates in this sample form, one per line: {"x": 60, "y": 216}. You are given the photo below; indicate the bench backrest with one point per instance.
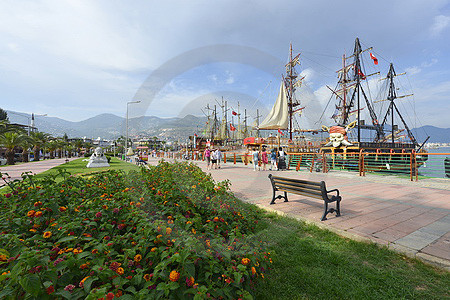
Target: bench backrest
{"x": 298, "y": 186}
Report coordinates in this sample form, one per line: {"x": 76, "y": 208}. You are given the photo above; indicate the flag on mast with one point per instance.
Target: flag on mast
{"x": 280, "y": 132}
{"x": 234, "y": 113}
{"x": 232, "y": 128}
{"x": 375, "y": 60}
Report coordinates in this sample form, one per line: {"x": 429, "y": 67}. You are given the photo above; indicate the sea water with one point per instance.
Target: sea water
{"x": 434, "y": 166}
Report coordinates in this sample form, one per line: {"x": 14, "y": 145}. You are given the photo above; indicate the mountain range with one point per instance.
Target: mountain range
{"x": 110, "y": 126}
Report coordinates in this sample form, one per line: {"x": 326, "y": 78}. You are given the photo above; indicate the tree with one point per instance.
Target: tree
{"x": 39, "y": 139}
{"x": 11, "y": 140}
{"x": 3, "y": 115}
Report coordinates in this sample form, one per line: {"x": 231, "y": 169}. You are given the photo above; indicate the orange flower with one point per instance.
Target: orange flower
{"x": 153, "y": 249}
{"x": 82, "y": 281}
{"x": 38, "y": 214}
{"x": 216, "y": 219}
{"x": 76, "y": 251}
{"x": 193, "y": 231}
{"x": 137, "y": 258}
{"x": 174, "y": 276}
{"x": 208, "y": 243}
{"x": 30, "y": 213}
{"x": 47, "y": 234}
{"x": 245, "y": 261}
{"x": 3, "y": 257}
{"x": 138, "y": 204}
{"x": 168, "y": 230}
{"x": 83, "y": 266}
{"x": 62, "y": 208}
{"x": 147, "y": 277}
{"x": 33, "y": 230}
{"x": 120, "y": 271}
{"x": 253, "y": 270}
{"x": 95, "y": 251}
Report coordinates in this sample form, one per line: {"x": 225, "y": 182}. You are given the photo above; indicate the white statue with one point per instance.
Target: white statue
{"x": 97, "y": 159}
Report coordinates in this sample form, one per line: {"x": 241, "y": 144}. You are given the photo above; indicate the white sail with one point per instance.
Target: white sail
{"x": 278, "y": 118}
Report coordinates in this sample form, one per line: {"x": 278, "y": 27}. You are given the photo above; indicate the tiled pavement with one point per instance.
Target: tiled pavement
{"x": 410, "y": 217}
{"x": 15, "y": 171}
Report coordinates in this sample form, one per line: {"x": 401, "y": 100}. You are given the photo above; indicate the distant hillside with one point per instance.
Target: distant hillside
{"x": 437, "y": 135}
{"x": 109, "y": 126}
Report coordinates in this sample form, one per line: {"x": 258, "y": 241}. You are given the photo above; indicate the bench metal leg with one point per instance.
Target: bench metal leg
{"x": 279, "y": 197}
{"x": 331, "y": 210}
{"x": 338, "y": 208}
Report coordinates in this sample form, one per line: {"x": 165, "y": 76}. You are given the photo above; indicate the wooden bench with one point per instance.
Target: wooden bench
{"x": 305, "y": 188}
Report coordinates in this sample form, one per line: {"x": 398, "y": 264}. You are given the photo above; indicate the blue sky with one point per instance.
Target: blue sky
{"x": 77, "y": 59}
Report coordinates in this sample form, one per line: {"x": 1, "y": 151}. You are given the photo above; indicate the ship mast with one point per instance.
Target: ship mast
{"x": 392, "y": 95}
{"x": 359, "y": 76}
{"x": 291, "y": 83}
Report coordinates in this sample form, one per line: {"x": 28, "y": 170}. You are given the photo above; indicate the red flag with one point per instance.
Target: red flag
{"x": 360, "y": 73}
{"x": 375, "y": 60}
{"x": 232, "y": 128}
{"x": 234, "y": 113}
{"x": 279, "y": 131}
{"x": 195, "y": 134}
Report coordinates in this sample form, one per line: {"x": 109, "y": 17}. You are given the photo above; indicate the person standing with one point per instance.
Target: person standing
{"x": 213, "y": 159}
{"x": 281, "y": 159}
{"x": 218, "y": 157}
{"x": 273, "y": 159}
{"x": 264, "y": 158}
{"x": 255, "y": 155}
{"x": 208, "y": 158}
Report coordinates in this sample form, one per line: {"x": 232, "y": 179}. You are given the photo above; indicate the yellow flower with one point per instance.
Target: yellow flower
{"x": 193, "y": 231}
{"x": 47, "y": 234}
{"x": 174, "y": 276}
{"x": 33, "y": 230}
{"x": 120, "y": 271}
{"x": 69, "y": 250}
{"x": 76, "y": 251}
{"x": 30, "y": 213}
{"x": 3, "y": 257}
{"x": 188, "y": 222}
{"x": 168, "y": 230}
{"x": 137, "y": 258}
{"x": 253, "y": 270}
{"x": 245, "y": 261}
{"x": 153, "y": 249}
{"x": 147, "y": 277}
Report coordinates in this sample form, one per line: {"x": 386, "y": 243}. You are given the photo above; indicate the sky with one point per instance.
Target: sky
{"x": 77, "y": 59}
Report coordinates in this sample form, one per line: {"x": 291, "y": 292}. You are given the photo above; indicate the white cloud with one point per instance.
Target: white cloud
{"x": 441, "y": 22}
{"x": 413, "y": 70}
{"x": 230, "y": 78}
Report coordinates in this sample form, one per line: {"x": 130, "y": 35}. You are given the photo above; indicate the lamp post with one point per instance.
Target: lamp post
{"x": 126, "y": 141}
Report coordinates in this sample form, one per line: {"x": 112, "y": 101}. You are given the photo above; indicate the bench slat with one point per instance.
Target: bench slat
{"x": 297, "y": 184}
{"x": 300, "y": 191}
{"x": 275, "y": 178}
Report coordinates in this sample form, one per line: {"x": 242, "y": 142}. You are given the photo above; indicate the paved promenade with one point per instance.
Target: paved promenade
{"x": 410, "y": 217}
{"x": 15, "y": 171}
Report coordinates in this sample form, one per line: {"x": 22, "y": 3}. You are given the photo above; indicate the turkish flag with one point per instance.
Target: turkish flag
{"x": 232, "y": 128}
{"x": 375, "y": 60}
{"x": 361, "y": 74}
{"x": 234, "y": 113}
{"x": 279, "y": 131}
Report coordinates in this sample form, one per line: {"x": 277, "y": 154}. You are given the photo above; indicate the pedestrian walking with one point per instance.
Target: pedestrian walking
{"x": 273, "y": 159}
{"x": 255, "y": 155}
{"x": 213, "y": 159}
{"x": 218, "y": 157}
{"x": 208, "y": 158}
{"x": 264, "y": 158}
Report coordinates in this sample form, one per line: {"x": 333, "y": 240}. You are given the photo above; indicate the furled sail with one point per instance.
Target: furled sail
{"x": 278, "y": 118}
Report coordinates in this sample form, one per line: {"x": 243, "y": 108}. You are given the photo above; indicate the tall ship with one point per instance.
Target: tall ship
{"x": 385, "y": 129}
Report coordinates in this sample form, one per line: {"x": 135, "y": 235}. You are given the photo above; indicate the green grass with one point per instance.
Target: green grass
{"x": 312, "y": 263}
{"x": 78, "y": 166}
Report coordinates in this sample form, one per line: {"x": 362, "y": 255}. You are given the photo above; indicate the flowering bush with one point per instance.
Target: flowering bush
{"x": 169, "y": 231}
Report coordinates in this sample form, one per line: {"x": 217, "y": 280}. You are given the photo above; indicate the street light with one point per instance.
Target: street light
{"x": 126, "y": 141}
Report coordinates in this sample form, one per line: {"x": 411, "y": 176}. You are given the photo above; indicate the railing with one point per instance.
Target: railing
{"x": 414, "y": 165}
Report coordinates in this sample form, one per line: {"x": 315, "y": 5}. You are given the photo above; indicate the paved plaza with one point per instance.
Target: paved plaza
{"x": 410, "y": 217}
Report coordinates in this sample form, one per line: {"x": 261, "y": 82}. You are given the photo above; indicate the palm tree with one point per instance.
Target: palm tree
{"x": 52, "y": 146}
{"x": 26, "y": 144}
{"x": 78, "y": 145}
{"x": 11, "y": 140}
{"x": 39, "y": 139}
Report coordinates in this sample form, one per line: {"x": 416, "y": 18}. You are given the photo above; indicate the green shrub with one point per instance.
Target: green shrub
{"x": 167, "y": 232}
{"x": 108, "y": 158}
